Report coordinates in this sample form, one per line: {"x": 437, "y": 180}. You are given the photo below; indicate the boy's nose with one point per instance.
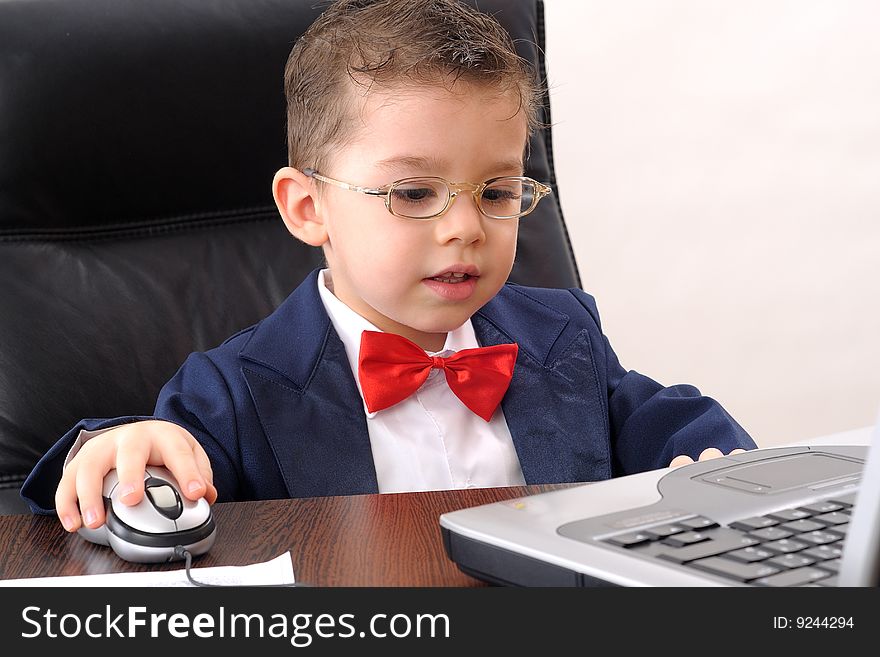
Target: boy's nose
{"x": 462, "y": 221}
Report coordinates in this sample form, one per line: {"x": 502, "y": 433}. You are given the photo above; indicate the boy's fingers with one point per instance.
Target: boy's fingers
{"x": 205, "y": 467}
{"x": 178, "y": 454}
{"x": 211, "y": 494}
{"x": 132, "y": 453}
{"x": 65, "y": 500}
{"x": 710, "y": 453}
{"x": 79, "y": 497}
{"x": 89, "y": 489}
{"x": 737, "y": 451}
{"x": 705, "y": 455}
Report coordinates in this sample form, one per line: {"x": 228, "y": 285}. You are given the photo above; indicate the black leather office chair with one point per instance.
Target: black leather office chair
{"x": 138, "y": 141}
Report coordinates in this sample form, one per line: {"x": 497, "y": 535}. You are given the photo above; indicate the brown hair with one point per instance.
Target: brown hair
{"x": 385, "y": 44}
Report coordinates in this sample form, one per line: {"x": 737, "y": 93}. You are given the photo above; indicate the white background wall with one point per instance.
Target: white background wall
{"x": 719, "y": 172}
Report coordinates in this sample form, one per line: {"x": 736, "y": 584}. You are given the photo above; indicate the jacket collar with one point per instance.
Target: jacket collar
{"x": 291, "y": 339}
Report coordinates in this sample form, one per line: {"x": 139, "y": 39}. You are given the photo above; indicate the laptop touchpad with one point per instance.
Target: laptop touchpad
{"x": 785, "y": 473}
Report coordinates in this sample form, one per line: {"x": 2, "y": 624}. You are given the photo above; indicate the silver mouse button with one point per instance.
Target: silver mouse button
{"x": 164, "y": 497}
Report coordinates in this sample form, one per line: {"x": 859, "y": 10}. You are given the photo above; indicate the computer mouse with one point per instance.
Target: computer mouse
{"x": 164, "y": 519}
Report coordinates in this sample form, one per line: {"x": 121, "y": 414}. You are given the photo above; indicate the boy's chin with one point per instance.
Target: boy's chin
{"x": 435, "y": 328}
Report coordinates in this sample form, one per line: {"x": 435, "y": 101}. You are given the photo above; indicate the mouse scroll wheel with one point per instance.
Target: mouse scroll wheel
{"x": 164, "y": 497}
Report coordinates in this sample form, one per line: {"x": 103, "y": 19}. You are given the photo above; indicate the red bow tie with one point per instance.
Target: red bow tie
{"x": 391, "y": 368}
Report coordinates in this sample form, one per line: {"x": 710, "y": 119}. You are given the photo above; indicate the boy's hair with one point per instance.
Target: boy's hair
{"x": 390, "y": 44}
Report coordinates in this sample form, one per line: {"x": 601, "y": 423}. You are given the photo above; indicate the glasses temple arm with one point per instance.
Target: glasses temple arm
{"x": 373, "y": 191}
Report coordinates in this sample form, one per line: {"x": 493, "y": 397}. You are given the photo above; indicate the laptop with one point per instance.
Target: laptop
{"x": 783, "y": 516}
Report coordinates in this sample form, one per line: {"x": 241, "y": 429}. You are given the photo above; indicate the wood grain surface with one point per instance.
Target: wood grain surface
{"x": 359, "y": 540}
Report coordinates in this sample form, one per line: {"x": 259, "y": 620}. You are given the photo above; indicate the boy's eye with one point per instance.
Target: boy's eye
{"x": 507, "y": 197}
{"x": 501, "y": 195}
{"x": 419, "y": 198}
{"x": 413, "y": 194}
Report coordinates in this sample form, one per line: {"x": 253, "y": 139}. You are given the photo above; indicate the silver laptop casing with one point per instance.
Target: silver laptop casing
{"x": 557, "y": 538}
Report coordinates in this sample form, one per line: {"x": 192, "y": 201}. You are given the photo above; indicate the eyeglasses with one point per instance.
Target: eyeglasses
{"x": 507, "y": 197}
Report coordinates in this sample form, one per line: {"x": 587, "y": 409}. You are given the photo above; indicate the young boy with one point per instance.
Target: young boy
{"x": 388, "y": 101}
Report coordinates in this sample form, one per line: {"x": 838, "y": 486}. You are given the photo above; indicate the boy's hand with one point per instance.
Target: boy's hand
{"x": 705, "y": 455}
{"x": 130, "y": 448}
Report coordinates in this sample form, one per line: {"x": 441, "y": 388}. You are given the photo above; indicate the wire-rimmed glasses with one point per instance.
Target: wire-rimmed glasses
{"x": 427, "y": 197}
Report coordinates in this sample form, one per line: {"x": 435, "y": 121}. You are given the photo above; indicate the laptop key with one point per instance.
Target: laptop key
{"x": 720, "y": 540}
{"x": 833, "y": 518}
{"x": 786, "y": 545}
{"x": 771, "y": 533}
{"x": 630, "y": 540}
{"x": 840, "y": 530}
{"x": 743, "y": 572}
{"x": 687, "y": 538}
{"x": 819, "y": 538}
{"x": 749, "y": 554}
{"x": 823, "y": 552}
{"x": 796, "y": 577}
{"x": 792, "y": 560}
{"x": 697, "y": 522}
{"x": 787, "y": 515}
{"x": 662, "y": 531}
{"x": 757, "y": 522}
{"x": 822, "y": 507}
{"x": 799, "y": 526}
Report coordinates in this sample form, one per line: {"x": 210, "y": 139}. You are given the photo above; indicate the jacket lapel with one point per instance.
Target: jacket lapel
{"x": 307, "y": 400}
{"x": 554, "y": 407}
{"x": 311, "y": 412}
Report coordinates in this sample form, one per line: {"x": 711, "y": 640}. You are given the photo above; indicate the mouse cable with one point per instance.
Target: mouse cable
{"x": 183, "y": 553}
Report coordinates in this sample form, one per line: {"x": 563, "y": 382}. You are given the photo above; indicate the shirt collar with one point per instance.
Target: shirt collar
{"x": 349, "y": 326}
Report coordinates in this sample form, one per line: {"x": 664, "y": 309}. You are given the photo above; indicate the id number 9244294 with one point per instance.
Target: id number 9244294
{"x": 813, "y": 622}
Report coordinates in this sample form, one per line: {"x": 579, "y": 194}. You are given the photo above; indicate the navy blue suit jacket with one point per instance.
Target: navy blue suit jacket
{"x": 277, "y": 409}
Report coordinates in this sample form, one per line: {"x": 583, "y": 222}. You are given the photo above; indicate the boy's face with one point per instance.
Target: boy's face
{"x": 385, "y": 267}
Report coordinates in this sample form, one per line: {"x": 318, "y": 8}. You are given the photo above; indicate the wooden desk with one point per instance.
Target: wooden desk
{"x": 360, "y": 540}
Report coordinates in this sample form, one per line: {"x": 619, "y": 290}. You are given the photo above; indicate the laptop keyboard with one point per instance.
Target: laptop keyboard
{"x": 799, "y": 546}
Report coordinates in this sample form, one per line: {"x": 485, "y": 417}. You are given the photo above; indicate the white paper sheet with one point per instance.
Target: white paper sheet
{"x": 275, "y": 571}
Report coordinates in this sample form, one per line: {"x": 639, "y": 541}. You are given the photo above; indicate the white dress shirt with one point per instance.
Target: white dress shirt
{"x": 430, "y": 440}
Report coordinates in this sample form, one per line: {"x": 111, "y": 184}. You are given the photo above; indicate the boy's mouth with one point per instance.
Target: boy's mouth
{"x": 457, "y": 273}
{"x": 451, "y": 277}
{"x": 454, "y": 284}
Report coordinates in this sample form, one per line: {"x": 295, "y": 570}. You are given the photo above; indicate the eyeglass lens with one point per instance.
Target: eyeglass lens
{"x": 423, "y": 198}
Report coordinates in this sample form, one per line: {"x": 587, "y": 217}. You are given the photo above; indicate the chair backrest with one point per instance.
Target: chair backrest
{"x": 138, "y": 141}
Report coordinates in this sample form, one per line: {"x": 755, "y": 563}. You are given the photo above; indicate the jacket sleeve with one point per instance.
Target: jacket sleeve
{"x": 198, "y": 399}
{"x": 650, "y": 424}
{"x": 38, "y": 489}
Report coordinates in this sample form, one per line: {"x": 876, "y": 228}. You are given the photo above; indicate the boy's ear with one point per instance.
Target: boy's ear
{"x": 293, "y": 193}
